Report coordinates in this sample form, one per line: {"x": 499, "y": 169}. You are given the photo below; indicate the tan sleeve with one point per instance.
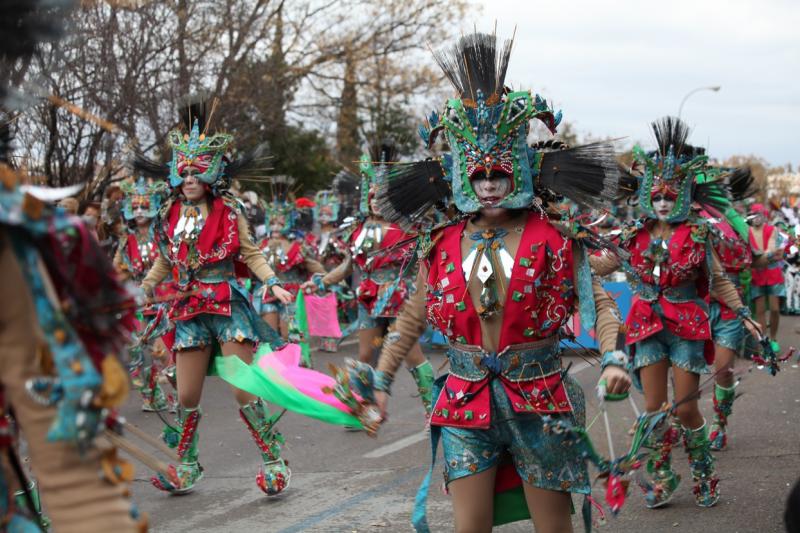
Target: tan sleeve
{"x": 340, "y": 272}
{"x": 608, "y": 318}
{"x": 158, "y": 272}
{"x": 407, "y": 329}
{"x": 605, "y": 263}
{"x": 722, "y": 288}
{"x": 313, "y": 266}
{"x": 250, "y": 254}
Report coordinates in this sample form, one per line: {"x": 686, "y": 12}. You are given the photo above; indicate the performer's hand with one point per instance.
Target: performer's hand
{"x": 617, "y": 380}
{"x": 308, "y": 287}
{"x": 382, "y": 401}
{"x": 283, "y": 296}
{"x": 754, "y": 328}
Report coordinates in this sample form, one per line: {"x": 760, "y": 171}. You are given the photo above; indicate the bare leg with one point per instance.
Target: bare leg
{"x": 761, "y": 311}
{"x": 244, "y": 351}
{"x": 415, "y": 356}
{"x": 191, "y": 368}
{"x": 550, "y": 509}
{"x": 473, "y": 504}
{"x": 369, "y": 341}
{"x": 654, "y": 384}
{"x": 686, "y": 385}
{"x": 774, "y": 316}
{"x": 724, "y": 358}
{"x": 272, "y": 320}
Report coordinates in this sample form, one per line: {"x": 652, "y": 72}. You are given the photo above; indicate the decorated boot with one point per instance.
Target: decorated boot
{"x": 273, "y": 477}
{"x": 188, "y": 472}
{"x": 663, "y": 480}
{"x": 153, "y": 397}
{"x": 423, "y": 376}
{"x": 701, "y": 461}
{"x": 723, "y": 407}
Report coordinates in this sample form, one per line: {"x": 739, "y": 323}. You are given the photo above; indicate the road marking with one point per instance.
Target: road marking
{"x": 405, "y": 442}
{"x": 397, "y": 445}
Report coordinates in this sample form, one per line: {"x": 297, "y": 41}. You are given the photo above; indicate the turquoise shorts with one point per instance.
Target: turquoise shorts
{"x": 208, "y": 329}
{"x": 757, "y": 291}
{"x": 665, "y": 345}
{"x": 541, "y": 459}
{"x": 726, "y": 333}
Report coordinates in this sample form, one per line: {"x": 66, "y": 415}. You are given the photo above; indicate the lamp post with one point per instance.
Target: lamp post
{"x": 714, "y": 88}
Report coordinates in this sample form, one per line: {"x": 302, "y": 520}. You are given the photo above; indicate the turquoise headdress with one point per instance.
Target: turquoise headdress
{"x": 672, "y": 169}
{"x": 326, "y": 207}
{"x": 142, "y": 194}
{"x": 486, "y": 129}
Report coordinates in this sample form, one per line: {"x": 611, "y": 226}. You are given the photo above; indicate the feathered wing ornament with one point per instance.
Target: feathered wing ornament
{"x": 588, "y": 175}
{"x": 410, "y": 190}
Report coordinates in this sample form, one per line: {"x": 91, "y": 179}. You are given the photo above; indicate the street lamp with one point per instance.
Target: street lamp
{"x": 714, "y": 88}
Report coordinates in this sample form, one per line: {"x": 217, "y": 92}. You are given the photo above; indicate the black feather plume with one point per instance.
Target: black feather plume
{"x": 588, "y": 175}
{"x": 143, "y": 165}
{"x": 741, "y": 183}
{"x": 410, "y": 190}
{"x": 476, "y": 63}
{"x": 383, "y": 150}
{"x": 671, "y": 131}
{"x": 26, "y": 23}
{"x": 346, "y": 182}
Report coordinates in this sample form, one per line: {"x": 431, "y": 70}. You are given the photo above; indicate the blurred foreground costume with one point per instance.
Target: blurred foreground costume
{"x": 65, "y": 322}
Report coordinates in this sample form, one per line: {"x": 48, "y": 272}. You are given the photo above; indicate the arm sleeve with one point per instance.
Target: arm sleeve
{"x": 608, "y": 318}
{"x": 339, "y": 273}
{"x": 604, "y": 263}
{"x": 251, "y": 255}
{"x": 410, "y": 325}
{"x": 722, "y": 288}
{"x": 158, "y": 272}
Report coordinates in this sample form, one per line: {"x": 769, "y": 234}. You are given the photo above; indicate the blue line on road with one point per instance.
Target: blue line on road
{"x": 352, "y": 501}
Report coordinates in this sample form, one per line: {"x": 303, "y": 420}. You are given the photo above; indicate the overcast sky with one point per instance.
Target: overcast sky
{"x": 612, "y": 67}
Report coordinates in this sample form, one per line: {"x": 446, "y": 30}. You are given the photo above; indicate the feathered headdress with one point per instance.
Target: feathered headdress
{"x": 486, "y": 129}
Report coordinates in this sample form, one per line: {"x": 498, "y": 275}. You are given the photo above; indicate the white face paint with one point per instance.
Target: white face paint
{"x": 662, "y": 206}
{"x": 492, "y": 190}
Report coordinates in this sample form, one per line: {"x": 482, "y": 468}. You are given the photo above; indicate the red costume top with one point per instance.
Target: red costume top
{"x": 382, "y": 290}
{"x": 678, "y": 287}
{"x": 772, "y": 274}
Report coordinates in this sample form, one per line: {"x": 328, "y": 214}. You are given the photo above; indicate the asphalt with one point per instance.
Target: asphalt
{"x": 348, "y": 482}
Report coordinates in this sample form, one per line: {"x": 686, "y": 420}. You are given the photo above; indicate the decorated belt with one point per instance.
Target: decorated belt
{"x": 676, "y": 295}
{"x": 218, "y": 272}
{"x": 518, "y": 362}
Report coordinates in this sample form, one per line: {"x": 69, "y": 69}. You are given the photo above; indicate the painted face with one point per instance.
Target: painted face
{"x": 663, "y": 204}
{"x": 192, "y": 188}
{"x": 491, "y": 189}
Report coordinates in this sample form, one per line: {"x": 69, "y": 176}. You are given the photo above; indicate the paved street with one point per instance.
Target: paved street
{"x": 347, "y": 482}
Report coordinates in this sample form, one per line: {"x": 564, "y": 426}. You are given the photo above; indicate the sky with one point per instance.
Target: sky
{"x": 613, "y": 67}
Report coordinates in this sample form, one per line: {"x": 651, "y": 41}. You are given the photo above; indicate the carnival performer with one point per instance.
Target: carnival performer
{"x": 331, "y": 251}
{"x": 201, "y": 234}
{"x": 64, "y": 324}
{"x": 500, "y": 282}
{"x": 728, "y": 236}
{"x": 768, "y": 285}
{"x": 384, "y": 282}
{"x": 135, "y": 255}
{"x": 287, "y": 253}
{"x": 672, "y": 261}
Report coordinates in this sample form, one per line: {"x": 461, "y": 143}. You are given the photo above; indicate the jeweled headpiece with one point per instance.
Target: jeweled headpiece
{"x": 486, "y": 129}
{"x": 196, "y": 148}
{"x": 142, "y": 197}
{"x": 281, "y": 206}
{"x": 672, "y": 169}
{"x": 326, "y": 208}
